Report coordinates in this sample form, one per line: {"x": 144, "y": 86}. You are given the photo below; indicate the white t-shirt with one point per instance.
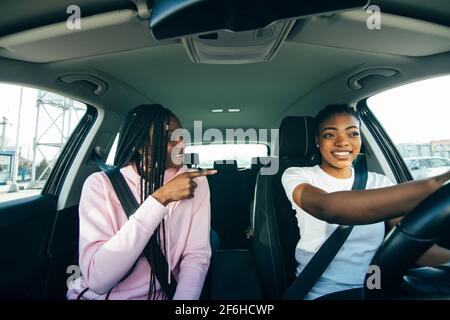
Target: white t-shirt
{"x": 349, "y": 267}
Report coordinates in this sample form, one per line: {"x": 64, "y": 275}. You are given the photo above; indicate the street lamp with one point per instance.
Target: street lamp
{"x": 14, "y": 187}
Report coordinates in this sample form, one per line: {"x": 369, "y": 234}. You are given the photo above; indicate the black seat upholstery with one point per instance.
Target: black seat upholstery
{"x": 229, "y": 209}
{"x": 259, "y": 162}
{"x": 249, "y": 178}
{"x": 275, "y": 228}
{"x": 226, "y": 165}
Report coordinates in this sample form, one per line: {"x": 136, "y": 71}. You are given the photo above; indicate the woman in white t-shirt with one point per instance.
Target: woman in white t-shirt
{"x": 322, "y": 198}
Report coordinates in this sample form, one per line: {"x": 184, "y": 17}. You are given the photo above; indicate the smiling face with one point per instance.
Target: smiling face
{"x": 339, "y": 143}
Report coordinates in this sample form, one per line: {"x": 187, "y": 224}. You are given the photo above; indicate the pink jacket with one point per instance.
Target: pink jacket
{"x": 110, "y": 243}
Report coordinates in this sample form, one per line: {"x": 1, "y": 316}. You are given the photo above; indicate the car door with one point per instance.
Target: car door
{"x": 415, "y": 168}
{"x": 35, "y": 236}
{"x": 24, "y": 228}
{"x": 424, "y": 169}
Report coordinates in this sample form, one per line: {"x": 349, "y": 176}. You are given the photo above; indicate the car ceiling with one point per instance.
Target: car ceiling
{"x": 437, "y": 11}
{"x": 300, "y": 79}
{"x": 262, "y": 91}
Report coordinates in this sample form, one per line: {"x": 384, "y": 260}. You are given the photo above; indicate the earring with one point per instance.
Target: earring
{"x": 317, "y": 146}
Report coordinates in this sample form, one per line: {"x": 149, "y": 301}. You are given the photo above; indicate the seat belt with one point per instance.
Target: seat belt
{"x": 323, "y": 257}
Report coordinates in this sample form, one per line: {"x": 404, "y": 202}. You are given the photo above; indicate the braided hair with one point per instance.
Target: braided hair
{"x": 147, "y": 150}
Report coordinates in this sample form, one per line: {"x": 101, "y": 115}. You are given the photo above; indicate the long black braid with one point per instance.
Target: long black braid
{"x": 135, "y": 140}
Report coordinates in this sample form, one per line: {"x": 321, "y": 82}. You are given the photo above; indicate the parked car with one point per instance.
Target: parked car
{"x": 426, "y": 167}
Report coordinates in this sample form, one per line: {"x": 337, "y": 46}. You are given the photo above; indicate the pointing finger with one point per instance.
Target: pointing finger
{"x": 201, "y": 173}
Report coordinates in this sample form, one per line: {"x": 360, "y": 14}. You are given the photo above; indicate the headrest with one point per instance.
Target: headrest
{"x": 258, "y": 162}
{"x": 225, "y": 165}
{"x": 191, "y": 159}
{"x": 296, "y": 137}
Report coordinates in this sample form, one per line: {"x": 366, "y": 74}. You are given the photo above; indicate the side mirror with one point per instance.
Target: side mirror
{"x": 178, "y": 18}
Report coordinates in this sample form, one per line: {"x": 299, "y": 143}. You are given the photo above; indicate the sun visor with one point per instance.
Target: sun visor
{"x": 98, "y": 34}
{"x": 396, "y": 34}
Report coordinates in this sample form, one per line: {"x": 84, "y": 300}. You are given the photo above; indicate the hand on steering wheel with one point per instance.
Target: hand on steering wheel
{"x": 409, "y": 240}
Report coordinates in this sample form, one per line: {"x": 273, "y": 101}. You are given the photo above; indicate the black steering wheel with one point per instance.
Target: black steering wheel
{"x": 416, "y": 233}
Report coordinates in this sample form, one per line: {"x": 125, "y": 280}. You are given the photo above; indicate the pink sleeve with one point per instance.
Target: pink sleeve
{"x": 106, "y": 254}
{"x": 197, "y": 253}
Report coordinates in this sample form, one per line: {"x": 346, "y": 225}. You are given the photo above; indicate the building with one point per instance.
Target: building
{"x": 437, "y": 148}
{"x": 6, "y": 165}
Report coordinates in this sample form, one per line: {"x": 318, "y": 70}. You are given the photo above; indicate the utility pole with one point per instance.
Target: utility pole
{"x": 31, "y": 184}
{"x": 14, "y": 187}
{"x": 4, "y": 123}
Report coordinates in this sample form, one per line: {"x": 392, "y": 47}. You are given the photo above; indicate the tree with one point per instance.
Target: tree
{"x": 40, "y": 168}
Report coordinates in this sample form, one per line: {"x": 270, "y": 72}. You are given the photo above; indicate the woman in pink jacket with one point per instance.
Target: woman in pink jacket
{"x": 173, "y": 216}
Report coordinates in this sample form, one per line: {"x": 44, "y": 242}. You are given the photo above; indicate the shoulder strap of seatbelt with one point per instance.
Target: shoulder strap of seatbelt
{"x": 123, "y": 192}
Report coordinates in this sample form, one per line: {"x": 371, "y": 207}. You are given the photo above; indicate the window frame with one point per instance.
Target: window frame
{"x": 392, "y": 155}
{"x": 69, "y": 151}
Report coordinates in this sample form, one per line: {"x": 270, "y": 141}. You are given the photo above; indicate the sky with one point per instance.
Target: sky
{"x": 413, "y": 113}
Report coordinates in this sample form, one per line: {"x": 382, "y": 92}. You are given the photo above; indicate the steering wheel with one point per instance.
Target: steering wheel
{"x": 427, "y": 223}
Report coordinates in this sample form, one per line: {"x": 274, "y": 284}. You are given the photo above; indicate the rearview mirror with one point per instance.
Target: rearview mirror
{"x": 177, "y": 18}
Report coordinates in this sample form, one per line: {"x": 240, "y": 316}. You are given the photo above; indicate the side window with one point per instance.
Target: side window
{"x": 34, "y": 127}
{"x": 416, "y": 118}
